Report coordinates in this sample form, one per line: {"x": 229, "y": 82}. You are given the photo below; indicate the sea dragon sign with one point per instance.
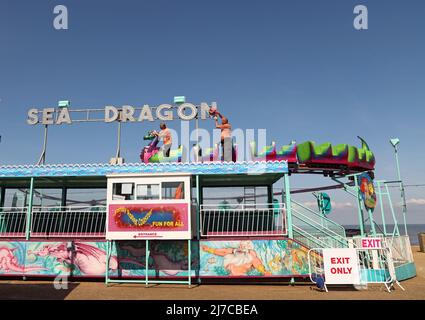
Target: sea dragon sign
{"x": 164, "y": 112}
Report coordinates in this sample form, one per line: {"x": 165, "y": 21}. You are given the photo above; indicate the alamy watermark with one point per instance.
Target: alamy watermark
{"x": 361, "y": 19}
{"x": 60, "y": 22}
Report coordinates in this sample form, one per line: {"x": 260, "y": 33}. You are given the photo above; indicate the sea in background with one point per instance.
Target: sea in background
{"x": 412, "y": 230}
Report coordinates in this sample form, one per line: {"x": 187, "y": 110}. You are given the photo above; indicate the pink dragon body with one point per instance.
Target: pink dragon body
{"x": 8, "y": 262}
{"x": 89, "y": 259}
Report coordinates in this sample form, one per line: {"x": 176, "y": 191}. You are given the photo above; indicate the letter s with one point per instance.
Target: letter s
{"x": 32, "y": 116}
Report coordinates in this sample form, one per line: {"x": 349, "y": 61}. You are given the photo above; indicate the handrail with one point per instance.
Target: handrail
{"x": 309, "y": 236}
{"x": 321, "y": 227}
{"x": 323, "y": 230}
{"x": 318, "y": 215}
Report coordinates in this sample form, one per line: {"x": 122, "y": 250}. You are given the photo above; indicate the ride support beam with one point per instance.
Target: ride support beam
{"x": 189, "y": 261}
{"x": 108, "y": 256}
{"x": 198, "y": 225}
{"x": 2, "y": 196}
{"x": 147, "y": 264}
{"x": 384, "y": 224}
{"x": 288, "y": 205}
{"x": 63, "y": 198}
{"x": 29, "y": 211}
{"x": 359, "y": 207}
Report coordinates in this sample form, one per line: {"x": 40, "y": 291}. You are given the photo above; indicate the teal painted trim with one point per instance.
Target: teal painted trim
{"x": 29, "y": 211}
{"x": 150, "y": 281}
{"x": 405, "y": 271}
{"x": 103, "y": 169}
{"x": 288, "y": 206}
{"x": 374, "y": 275}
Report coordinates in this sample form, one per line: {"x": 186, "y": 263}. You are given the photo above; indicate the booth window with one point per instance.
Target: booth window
{"x": 173, "y": 190}
{"x": 147, "y": 191}
{"x": 123, "y": 191}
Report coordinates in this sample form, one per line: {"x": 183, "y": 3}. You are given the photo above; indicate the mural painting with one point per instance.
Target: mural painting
{"x": 236, "y": 258}
{"x": 245, "y": 258}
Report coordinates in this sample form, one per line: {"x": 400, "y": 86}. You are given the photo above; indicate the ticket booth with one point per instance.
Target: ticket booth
{"x": 149, "y": 207}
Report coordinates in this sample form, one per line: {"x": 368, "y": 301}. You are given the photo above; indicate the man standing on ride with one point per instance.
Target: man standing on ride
{"x": 226, "y": 136}
{"x": 165, "y": 135}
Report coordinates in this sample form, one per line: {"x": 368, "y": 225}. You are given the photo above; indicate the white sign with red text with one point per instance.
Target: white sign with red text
{"x": 372, "y": 243}
{"x": 341, "y": 266}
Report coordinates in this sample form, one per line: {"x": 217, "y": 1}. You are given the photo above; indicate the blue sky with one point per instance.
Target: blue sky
{"x": 297, "y": 68}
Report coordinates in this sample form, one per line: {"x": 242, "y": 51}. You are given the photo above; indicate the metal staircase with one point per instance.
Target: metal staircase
{"x": 314, "y": 230}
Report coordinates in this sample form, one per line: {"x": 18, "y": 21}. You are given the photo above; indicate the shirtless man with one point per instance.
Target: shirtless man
{"x": 226, "y": 136}
{"x": 238, "y": 261}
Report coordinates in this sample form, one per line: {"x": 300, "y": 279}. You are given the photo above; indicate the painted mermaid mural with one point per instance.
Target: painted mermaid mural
{"x": 253, "y": 258}
{"x": 238, "y": 261}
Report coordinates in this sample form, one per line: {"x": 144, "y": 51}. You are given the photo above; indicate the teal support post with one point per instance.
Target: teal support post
{"x": 359, "y": 207}
{"x": 189, "y": 258}
{"x": 198, "y": 215}
{"x": 147, "y": 264}
{"x": 381, "y": 204}
{"x": 396, "y": 230}
{"x": 288, "y": 206}
{"x": 198, "y": 208}
{"x": 372, "y": 222}
{"x": 108, "y": 256}
{"x": 29, "y": 211}
{"x": 402, "y": 192}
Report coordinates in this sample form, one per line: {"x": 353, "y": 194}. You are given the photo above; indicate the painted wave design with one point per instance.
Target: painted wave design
{"x": 104, "y": 169}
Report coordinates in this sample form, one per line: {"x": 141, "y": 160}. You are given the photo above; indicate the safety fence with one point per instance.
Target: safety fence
{"x": 243, "y": 220}
{"x": 401, "y": 250}
{"x": 54, "y": 222}
{"x": 375, "y": 266}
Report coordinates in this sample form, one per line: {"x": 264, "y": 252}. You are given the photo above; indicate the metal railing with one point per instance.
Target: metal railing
{"x": 243, "y": 220}
{"x": 50, "y": 222}
{"x": 315, "y": 230}
{"x": 54, "y": 222}
{"x": 13, "y": 222}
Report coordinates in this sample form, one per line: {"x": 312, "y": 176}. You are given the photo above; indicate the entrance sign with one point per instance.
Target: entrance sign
{"x": 164, "y": 112}
{"x": 341, "y": 266}
{"x": 148, "y": 221}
